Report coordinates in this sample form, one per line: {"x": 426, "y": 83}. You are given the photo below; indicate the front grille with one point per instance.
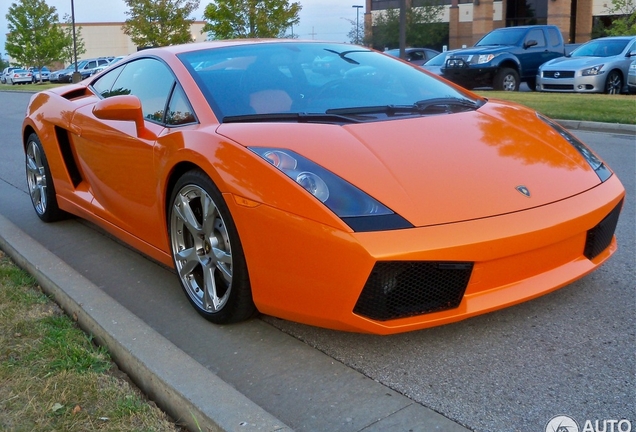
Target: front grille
{"x": 558, "y": 86}
{"x": 600, "y": 237}
{"x": 558, "y": 74}
{"x": 399, "y": 289}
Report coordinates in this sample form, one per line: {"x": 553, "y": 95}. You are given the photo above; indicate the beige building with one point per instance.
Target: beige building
{"x": 107, "y": 39}
{"x": 469, "y": 20}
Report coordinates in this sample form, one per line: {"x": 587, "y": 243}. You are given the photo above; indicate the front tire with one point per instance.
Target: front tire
{"x": 614, "y": 83}
{"x": 506, "y": 79}
{"x": 207, "y": 251}
{"x": 40, "y": 182}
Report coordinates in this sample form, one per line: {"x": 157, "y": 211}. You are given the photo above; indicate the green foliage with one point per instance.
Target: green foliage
{"x": 159, "y": 23}
{"x": 423, "y": 27}
{"x": 34, "y": 38}
{"x": 625, "y": 23}
{"x": 356, "y": 34}
{"x": 230, "y": 19}
{"x": 67, "y": 52}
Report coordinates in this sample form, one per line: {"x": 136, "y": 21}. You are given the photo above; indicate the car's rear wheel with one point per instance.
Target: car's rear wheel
{"x": 40, "y": 182}
{"x": 614, "y": 83}
{"x": 506, "y": 79}
{"x": 207, "y": 251}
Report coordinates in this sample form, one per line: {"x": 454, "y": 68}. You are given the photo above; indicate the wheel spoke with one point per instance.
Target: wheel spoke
{"x": 211, "y": 299}
{"x": 210, "y": 213}
{"x": 184, "y": 211}
{"x": 189, "y": 261}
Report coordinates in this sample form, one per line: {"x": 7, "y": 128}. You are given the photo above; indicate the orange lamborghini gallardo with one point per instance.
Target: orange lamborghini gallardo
{"x": 374, "y": 198}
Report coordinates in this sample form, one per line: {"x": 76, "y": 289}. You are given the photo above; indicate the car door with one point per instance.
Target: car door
{"x": 117, "y": 162}
{"x": 534, "y": 56}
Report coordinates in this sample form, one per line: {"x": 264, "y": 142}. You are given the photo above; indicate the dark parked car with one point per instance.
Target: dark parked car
{"x": 505, "y": 57}
{"x": 45, "y": 72}
{"x": 417, "y": 56}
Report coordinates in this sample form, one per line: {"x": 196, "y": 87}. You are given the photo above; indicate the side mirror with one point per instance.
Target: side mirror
{"x": 123, "y": 108}
{"x": 530, "y": 43}
{"x": 631, "y": 54}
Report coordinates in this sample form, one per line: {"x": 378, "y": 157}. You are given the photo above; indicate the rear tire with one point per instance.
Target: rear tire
{"x": 40, "y": 182}
{"x": 506, "y": 79}
{"x": 207, "y": 251}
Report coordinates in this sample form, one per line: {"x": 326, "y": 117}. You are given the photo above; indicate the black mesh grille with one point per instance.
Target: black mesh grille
{"x": 402, "y": 289}
{"x": 600, "y": 237}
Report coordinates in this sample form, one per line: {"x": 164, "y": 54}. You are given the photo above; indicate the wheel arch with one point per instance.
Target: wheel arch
{"x": 26, "y": 132}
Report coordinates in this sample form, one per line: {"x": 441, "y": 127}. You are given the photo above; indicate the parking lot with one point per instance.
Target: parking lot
{"x": 570, "y": 352}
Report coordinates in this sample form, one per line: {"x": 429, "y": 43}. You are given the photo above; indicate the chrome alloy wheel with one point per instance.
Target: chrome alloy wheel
{"x": 36, "y": 177}
{"x": 201, "y": 248}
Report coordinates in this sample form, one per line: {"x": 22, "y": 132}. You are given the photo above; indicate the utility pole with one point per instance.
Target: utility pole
{"x": 357, "y": 22}
{"x": 77, "y": 77}
{"x": 402, "y": 29}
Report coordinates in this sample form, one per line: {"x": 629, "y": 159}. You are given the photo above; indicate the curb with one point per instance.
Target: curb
{"x": 616, "y": 128}
{"x": 189, "y": 392}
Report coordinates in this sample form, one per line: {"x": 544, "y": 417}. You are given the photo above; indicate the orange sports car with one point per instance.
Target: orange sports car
{"x": 375, "y": 198}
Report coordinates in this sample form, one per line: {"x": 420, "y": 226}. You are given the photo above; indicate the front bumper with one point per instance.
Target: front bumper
{"x": 307, "y": 272}
{"x": 470, "y": 76}
{"x": 576, "y": 83}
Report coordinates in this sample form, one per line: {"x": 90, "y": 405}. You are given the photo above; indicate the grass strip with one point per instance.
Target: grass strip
{"x": 52, "y": 375}
{"x": 573, "y": 106}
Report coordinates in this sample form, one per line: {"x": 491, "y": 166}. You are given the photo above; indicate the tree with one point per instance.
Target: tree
{"x": 356, "y": 34}
{"x": 625, "y": 23}
{"x": 423, "y": 27}
{"x": 229, "y": 19}
{"x": 35, "y": 38}
{"x": 67, "y": 53}
{"x": 159, "y": 22}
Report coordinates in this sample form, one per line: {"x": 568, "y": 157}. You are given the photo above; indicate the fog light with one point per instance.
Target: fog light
{"x": 581, "y": 87}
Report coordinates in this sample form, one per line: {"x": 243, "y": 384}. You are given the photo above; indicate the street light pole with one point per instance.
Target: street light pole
{"x": 77, "y": 77}
{"x": 357, "y": 22}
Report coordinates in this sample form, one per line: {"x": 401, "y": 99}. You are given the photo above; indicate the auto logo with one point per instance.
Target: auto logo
{"x": 557, "y": 74}
{"x": 524, "y": 190}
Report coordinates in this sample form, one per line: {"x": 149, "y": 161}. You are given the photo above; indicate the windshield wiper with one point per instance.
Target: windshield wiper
{"x": 444, "y": 105}
{"x": 449, "y": 102}
{"x": 291, "y": 117}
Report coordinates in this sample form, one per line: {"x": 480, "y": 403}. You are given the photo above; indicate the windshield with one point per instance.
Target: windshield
{"x": 438, "y": 60}
{"x": 601, "y": 48}
{"x": 306, "y": 78}
{"x": 507, "y": 36}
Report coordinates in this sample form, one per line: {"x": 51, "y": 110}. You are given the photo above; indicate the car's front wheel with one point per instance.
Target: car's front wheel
{"x": 506, "y": 79}
{"x": 614, "y": 83}
{"x": 40, "y": 182}
{"x": 207, "y": 251}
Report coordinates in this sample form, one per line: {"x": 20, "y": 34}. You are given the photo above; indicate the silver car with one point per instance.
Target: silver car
{"x": 19, "y": 76}
{"x": 598, "y": 66}
{"x": 631, "y": 78}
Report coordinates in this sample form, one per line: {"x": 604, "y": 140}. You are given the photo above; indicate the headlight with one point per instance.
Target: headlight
{"x": 596, "y": 70}
{"x": 485, "y": 58}
{"x": 597, "y": 165}
{"x": 357, "y": 209}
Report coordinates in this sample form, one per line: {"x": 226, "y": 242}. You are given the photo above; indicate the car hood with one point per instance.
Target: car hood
{"x": 440, "y": 169}
{"x": 477, "y": 50}
{"x": 575, "y": 63}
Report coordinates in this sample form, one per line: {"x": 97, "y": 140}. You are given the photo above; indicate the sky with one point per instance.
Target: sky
{"x": 319, "y": 19}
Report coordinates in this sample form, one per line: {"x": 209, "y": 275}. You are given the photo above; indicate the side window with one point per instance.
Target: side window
{"x": 536, "y": 34}
{"x": 102, "y": 62}
{"x": 91, "y": 65}
{"x": 151, "y": 81}
{"x": 179, "y": 110}
{"x": 104, "y": 84}
{"x": 416, "y": 55}
{"x": 553, "y": 36}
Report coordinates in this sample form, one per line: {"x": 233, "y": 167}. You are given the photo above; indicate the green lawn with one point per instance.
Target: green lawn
{"x": 569, "y": 106}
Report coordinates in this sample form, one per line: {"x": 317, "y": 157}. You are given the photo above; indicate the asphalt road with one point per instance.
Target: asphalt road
{"x": 570, "y": 352}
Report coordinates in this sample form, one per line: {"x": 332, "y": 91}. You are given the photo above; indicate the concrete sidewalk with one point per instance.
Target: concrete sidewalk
{"x": 192, "y": 393}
